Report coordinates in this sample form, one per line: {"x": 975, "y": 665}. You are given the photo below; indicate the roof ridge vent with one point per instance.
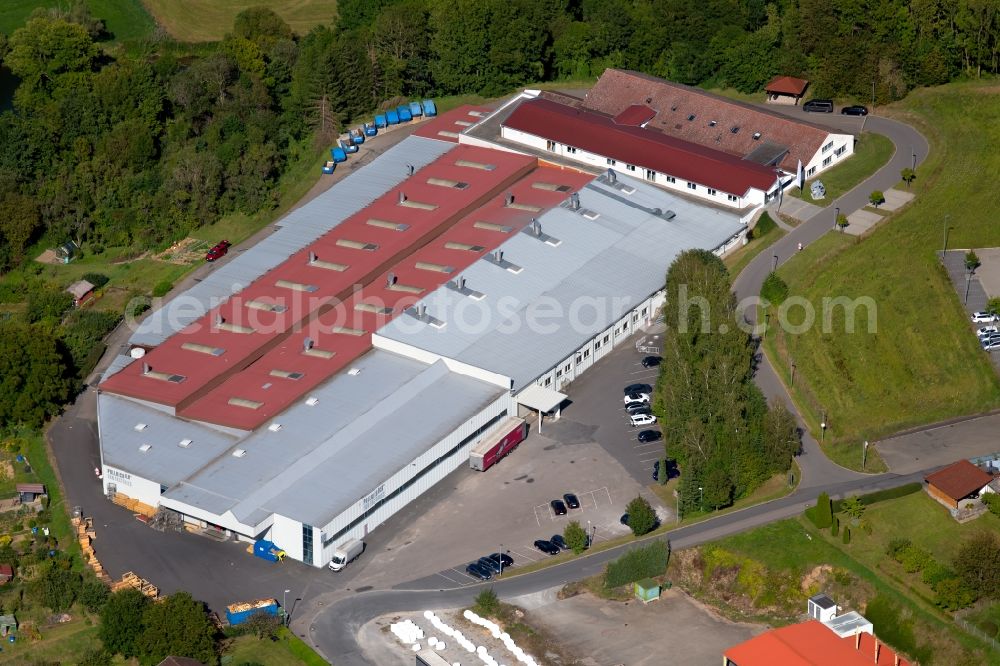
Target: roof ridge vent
{"x": 535, "y": 231}
{"x": 419, "y": 312}
{"x": 402, "y": 197}
{"x": 458, "y": 284}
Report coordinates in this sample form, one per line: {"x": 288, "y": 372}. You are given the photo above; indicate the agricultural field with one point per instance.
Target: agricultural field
{"x": 123, "y": 19}
{"x": 210, "y": 20}
{"x": 921, "y": 364}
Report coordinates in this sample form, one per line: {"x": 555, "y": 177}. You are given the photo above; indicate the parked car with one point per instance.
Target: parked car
{"x": 558, "y": 507}
{"x": 507, "y": 560}
{"x": 992, "y": 345}
{"x": 649, "y": 435}
{"x": 987, "y": 331}
{"x": 638, "y": 388}
{"x": 218, "y": 250}
{"x": 855, "y": 110}
{"x": 489, "y": 564}
{"x": 651, "y": 361}
{"x": 983, "y": 317}
{"x": 638, "y": 408}
{"x": 547, "y": 547}
{"x": 559, "y": 542}
{"x": 818, "y": 106}
{"x": 638, "y": 420}
{"x": 477, "y": 571}
{"x": 571, "y": 501}
{"x": 637, "y": 397}
{"x": 624, "y": 519}
{"x": 990, "y": 340}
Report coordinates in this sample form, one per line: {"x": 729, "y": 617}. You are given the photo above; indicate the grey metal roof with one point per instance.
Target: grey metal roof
{"x": 165, "y": 462}
{"x": 613, "y": 262}
{"x": 296, "y": 230}
{"x": 364, "y": 428}
{"x": 848, "y": 624}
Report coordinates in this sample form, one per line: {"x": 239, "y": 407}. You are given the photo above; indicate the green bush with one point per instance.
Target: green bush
{"x": 992, "y": 502}
{"x": 764, "y": 225}
{"x": 643, "y": 562}
{"x": 914, "y": 559}
{"x": 824, "y": 512}
{"x": 576, "y": 537}
{"x": 953, "y": 594}
{"x": 934, "y": 573}
{"x": 96, "y": 279}
{"x": 896, "y": 546}
{"x": 774, "y": 290}
{"x": 162, "y": 288}
{"x": 487, "y": 603}
{"x": 810, "y": 513}
{"x": 847, "y": 534}
{"x": 641, "y": 516}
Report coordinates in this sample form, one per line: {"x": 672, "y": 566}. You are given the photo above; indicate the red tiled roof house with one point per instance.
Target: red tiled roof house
{"x": 785, "y": 90}
{"x": 811, "y": 644}
{"x": 956, "y": 482}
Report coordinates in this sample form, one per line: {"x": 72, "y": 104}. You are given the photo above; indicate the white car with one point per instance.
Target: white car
{"x": 987, "y": 331}
{"x": 636, "y": 397}
{"x": 642, "y": 420}
{"x": 984, "y": 317}
{"x": 992, "y": 345}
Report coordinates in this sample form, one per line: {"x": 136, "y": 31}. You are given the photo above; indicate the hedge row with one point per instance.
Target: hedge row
{"x": 883, "y": 495}
{"x": 638, "y": 563}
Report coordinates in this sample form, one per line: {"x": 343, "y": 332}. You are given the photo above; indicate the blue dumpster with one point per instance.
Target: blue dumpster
{"x": 381, "y": 122}
{"x": 392, "y": 117}
{"x": 404, "y": 114}
{"x": 371, "y": 130}
{"x": 338, "y": 154}
{"x": 329, "y": 167}
{"x": 348, "y": 147}
{"x": 415, "y": 109}
{"x": 430, "y": 109}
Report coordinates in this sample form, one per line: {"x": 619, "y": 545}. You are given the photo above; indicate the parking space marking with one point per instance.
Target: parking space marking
{"x": 449, "y": 579}
{"x": 647, "y": 460}
{"x": 521, "y": 555}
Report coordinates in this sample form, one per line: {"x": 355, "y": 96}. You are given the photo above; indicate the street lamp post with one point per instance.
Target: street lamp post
{"x": 822, "y": 428}
{"x": 864, "y": 454}
{"x": 767, "y": 321}
{"x": 284, "y": 605}
{"x": 836, "y": 217}
{"x": 968, "y": 283}
{"x": 775, "y": 263}
{"x": 701, "y": 496}
{"x": 792, "y": 382}
{"x": 944, "y": 250}
{"x": 913, "y": 153}
{"x": 501, "y": 559}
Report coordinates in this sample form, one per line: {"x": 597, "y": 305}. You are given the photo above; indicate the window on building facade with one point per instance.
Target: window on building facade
{"x": 612, "y": 162}
{"x": 606, "y": 338}
{"x": 650, "y": 174}
{"x": 811, "y": 171}
{"x": 307, "y": 543}
{"x": 586, "y": 353}
{"x": 558, "y": 374}
{"x": 711, "y": 191}
{"x": 579, "y": 358}
{"x": 630, "y": 167}
{"x": 827, "y": 161}
{"x": 550, "y": 146}
{"x": 828, "y": 146}
{"x": 644, "y": 311}
{"x": 670, "y": 179}
{"x": 571, "y": 150}
{"x": 731, "y": 197}
{"x": 840, "y": 151}
{"x": 692, "y": 186}
{"x": 548, "y": 381}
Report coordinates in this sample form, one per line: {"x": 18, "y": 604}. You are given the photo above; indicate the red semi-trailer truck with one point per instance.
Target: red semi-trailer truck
{"x": 501, "y": 441}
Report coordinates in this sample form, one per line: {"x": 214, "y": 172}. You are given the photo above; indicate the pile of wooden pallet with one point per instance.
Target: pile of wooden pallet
{"x": 129, "y": 579}
{"x": 85, "y": 534}
{"x": 134, "y": 505}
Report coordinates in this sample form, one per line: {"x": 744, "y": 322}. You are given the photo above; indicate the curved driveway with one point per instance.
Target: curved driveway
{"x": 333, "y": 629}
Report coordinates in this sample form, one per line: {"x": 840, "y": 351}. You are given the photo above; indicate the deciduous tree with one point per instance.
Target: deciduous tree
{"x": 122, "y": 621}
{"x": 978, "y": 564}
{"x": 641, "y": 516}
{"x": 178, "y": 626}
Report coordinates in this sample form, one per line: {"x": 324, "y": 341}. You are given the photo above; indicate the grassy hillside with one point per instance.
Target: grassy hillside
{"x": 124, "y": 19}
{"x": 922, "y": 363}
{"x": 209, "y": 20}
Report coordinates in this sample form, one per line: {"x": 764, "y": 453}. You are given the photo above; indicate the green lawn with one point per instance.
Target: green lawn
{"x": 59, "y": 643}
{"x": 871, "y": 152}
{"x": 288, "y": 650}
{"x": 210, "y": 20}
{"x": 921, "y": 363}
{"x": 739, "y": 259}
{"x": 123, "y": 19}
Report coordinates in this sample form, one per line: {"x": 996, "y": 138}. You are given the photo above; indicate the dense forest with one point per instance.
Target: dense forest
{"x": 129, "y": 146}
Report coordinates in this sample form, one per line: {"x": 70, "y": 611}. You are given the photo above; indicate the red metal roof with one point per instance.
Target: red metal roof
{"x": 448, "y": 125}
{"x": 812, "y": 644}
{"x": 959, "y": 480}
{"x": 637, "y": 114}
{"x": 270, "y": 370}
{"x": 787, "y": 85}
{"x": 618, "y": 89}
{"x": 597, "y": 133}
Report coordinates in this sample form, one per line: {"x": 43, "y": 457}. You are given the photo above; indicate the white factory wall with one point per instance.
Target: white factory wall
{"x": 374, "y": 509}
{"x": 126, "y": 483}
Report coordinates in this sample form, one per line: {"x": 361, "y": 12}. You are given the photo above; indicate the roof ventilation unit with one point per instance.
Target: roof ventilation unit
{"x": 307, "y": 344}
{"x": 145, "y": 447}
{"x": 390, "y": 280}
{"x": 139, "y": 427}
{"x": 756, "y": 136}
{"x": 410, "y": 169}
{"x": 612, "y": 176}
{"x": 354, "y": 372}
{"x": 239, "y": 453}
{"x": 657, "y": 212}
{"x": 536, "y": 227}
{"x": 574, "y": 201}
{"x": 219, "y": 319}
{"x": 146, "y": 369}
{"x": 184, "y": 443}
{"x": 402, "y": 197}
{"x": 312, "y": 401}
{"x": 274, "y": 427}
{"x": 669, "y": 215}
{"x": 509, "y": 199}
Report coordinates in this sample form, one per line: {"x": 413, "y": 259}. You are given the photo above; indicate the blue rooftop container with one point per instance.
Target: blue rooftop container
{"x": 430, "y": 110}
{"x": 380, "y": 122}
{"x": 371, "y": 130}
{"x": 392, "y": 117}
{"x": 348, "y": 147}
{"x": 338, "y": 154}
{"x": 404, "y": 114}
{"x": 415, "y": 109}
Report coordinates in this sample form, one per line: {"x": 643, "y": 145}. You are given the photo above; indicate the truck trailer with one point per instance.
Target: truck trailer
{"x": 499, "y": 442}
{"x": 345, "y": 553}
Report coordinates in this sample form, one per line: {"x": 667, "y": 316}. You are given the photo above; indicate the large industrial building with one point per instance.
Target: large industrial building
{"x": 310, "y": 388}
